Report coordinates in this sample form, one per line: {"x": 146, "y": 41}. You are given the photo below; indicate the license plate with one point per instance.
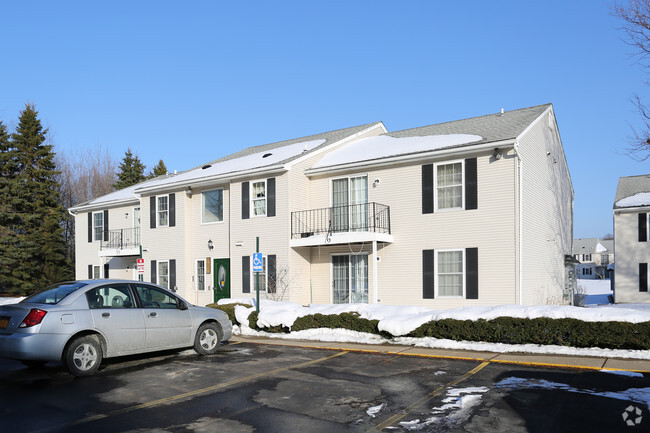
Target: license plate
{"x": 4, "y": 322}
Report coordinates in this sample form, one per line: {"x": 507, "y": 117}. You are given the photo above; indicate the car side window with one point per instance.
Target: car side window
{"x": 113, "y": 296}
{"x": 152, "y": 297}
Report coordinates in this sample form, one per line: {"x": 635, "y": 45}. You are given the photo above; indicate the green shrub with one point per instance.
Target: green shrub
{"x": 229, "y": 309}
{"x": 350, "y": 321}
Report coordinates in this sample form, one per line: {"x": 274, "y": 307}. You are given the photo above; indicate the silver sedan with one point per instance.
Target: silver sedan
{"x": 82, "y": 322}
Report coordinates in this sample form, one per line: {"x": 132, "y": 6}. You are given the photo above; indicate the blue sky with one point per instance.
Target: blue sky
{"x": 192, "y": 81}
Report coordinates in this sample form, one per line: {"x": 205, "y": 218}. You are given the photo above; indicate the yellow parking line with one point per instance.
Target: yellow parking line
{"x": 190, "y": 393}
{"x": 395, "y": 418}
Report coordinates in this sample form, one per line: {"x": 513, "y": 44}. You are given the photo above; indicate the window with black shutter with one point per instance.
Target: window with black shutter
{"x": 428, "y": 274}
{"x": 246, "y": 274}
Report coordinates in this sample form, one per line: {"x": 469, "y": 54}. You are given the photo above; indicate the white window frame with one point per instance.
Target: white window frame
{"x": 435, "y": 185}
{"x": 96, "y": 227}
{"x": 198, "y": 275}
{"x": 97, "y": 272}
{"x": 437, "y": 274}
{"x": 203, "y": 195}
{"x": 158, "y": 274}
{"x": 350, "y": 276}
{"x": 264, "y": 276}
{"x": 159, "y": 212}
{"x": 254, "y": 199}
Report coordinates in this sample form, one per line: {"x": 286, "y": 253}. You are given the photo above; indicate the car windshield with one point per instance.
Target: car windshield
{"x": 53, "y": 294}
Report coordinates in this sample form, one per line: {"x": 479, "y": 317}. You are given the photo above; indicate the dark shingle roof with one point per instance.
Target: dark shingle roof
{"x": 492, "y": 127}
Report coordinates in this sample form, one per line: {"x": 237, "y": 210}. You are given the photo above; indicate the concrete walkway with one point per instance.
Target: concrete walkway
{"x": 542, "y": 360}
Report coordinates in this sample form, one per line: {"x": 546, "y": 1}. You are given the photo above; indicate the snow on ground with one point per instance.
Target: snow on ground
{"x": 400, "y": 320}
{"x": 596, "y": 292}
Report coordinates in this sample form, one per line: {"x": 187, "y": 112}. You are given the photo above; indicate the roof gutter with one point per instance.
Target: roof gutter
{"x": 630, "y": 209}
{"x": 102, "y": 205}
{"x": 380, "y": 162}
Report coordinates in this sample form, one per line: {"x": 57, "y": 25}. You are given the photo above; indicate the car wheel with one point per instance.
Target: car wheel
{"x": 207, "y": 339}
{"x": 83, "y": 356}
{"x": 33, "y": 364}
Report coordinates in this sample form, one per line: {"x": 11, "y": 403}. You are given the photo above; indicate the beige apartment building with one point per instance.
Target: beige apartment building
{"x": 470, "y": 212}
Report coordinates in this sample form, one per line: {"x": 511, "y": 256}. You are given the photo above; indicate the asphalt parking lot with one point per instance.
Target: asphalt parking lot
{"x": 250, "y": 387}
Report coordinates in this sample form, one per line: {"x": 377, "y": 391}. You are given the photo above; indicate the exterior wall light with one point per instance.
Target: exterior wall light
{"x": 210, "y": 244}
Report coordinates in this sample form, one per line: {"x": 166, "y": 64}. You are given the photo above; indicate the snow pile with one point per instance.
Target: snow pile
{"x": 401, "y": 320}
{"x": 383, "y": 146}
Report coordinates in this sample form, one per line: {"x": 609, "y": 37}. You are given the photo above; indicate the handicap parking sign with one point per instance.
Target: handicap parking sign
{"x": 257, "y": 262}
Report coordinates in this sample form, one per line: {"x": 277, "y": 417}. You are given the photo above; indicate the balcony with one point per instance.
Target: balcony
{"x": 120, "y": 243}
{"x": 365, "y": 222}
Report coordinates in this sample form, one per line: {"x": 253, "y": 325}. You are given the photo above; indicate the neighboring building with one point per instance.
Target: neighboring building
{"x": 471, "y": 212}
{"x": 594, "y": 255}
{"x": 631, "y": 208}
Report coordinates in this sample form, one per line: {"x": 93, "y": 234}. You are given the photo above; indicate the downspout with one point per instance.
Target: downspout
{"x": 521, "y": 224}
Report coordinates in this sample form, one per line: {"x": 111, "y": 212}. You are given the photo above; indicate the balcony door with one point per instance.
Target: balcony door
{"x": 350, "y": 204}
{"x": 350, "y": 279}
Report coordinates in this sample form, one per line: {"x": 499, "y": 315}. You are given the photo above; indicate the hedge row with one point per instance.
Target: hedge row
{"x": 509, "y": 330}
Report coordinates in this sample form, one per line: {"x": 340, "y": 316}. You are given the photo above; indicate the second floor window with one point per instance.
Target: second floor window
{"x": 98, "y": 226}
{"x": 212, "y": 206}
{"x": 163, "y": 211}
{"x": 258, "y": 198}
{"x": 586, "y": 257}
{"x": 449, "y": 186}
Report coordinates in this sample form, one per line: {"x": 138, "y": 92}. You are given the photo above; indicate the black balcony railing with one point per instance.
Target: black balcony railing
{"x": 366, "y": 217}
{"x": 121, "y": 239}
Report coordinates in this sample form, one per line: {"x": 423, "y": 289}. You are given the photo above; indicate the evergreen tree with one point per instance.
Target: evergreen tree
{"x": 32, "y": 216}
{"x": 131, "y": 171}
{"x": 9, "y": 219}
{"x": 159, "y": 169}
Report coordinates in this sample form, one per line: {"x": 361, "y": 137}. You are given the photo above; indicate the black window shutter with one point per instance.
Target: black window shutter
{"x": 643, "y": 227}
{"x": 428, "y": 274}
{"x": 471, "y": 184}
{"x": 152, "y": 213}
{"x": 153, "y": 271}
{"x": 172, "y": 274}
{"x": 90, "y": 226}
{"x": 172, "y": 210}
{"x": 106, "y": 226}
{"x": 245, "y": 202}
{"x": 643, "y": 277}
{"x": 106, "y": 270}
{"x": 246, "y": 274}
{"x": 427, "y": 189}
{"x": 90, "y": 272}
{"x": 271, "y": 263}
{"x": 270, "y": 197}
{"x": 471, "y": 269}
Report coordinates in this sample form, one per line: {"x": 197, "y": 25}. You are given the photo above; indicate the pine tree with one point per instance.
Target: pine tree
{"x": 9, "y": 219}
{"x": 159, "y": 169}
{"x": 131, "y": 171}
{"x": 34, "y": 214}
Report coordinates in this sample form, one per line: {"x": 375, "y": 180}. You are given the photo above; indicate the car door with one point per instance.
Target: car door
{"x": 117, "y": 317}
{"x": 167, "y": 326}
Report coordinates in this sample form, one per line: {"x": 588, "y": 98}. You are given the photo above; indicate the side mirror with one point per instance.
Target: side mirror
{"x": 182, "y": 305}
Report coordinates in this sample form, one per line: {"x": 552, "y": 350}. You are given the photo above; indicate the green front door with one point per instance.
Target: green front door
{"x": 221, "y": 272}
